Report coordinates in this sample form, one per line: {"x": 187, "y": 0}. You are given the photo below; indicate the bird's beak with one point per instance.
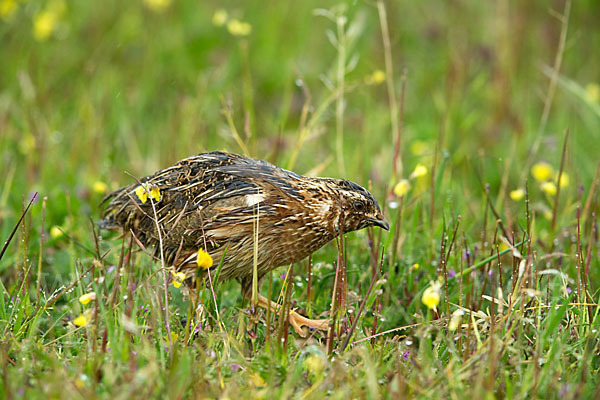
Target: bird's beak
{"x": 382, "y": 223}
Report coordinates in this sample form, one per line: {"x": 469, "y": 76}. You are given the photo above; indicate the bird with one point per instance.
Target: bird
{"x": 229, "y": 206}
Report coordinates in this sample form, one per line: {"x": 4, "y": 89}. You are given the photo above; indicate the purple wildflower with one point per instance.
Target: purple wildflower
{"x": 406, "y": 355}
{"x": 34, "y": 197}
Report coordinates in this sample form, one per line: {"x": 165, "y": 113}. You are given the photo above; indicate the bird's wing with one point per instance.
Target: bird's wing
{"x": 192, "y": 183}
{"x": 267, "y": 176}
{"x": 198, "y": 198}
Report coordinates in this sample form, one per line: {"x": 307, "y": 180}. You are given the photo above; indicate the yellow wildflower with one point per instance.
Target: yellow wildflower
{"x": 178, "y": 279}
{"x": 542, "y": 171}
{"x": 158, "y": 5}
{"x": 420, "y": 170}
{"x": 142, "y": 193}
{"x": 44, "y": 24}
{"x": 7, "y": 8}
{"x": 431, "y": 295}
{"x": 517, "y": 194}
{"x": 84, "y": 319}
{"x": 55, "y": 232}
{"x": 155, "y": 193}
{"x": 204, "y": 260}
{"x": 378, "y": 76}
{"x": 415, "y": 266}
{"x": 239, "y": 28}
{"x": 549, "y": 188}
{"x": 81, "y": 320}
{"x": 219, "y": 17}
{"x": 86, "y": 298}
{"x": 402, "y": 188}
{"x": 455, "y": 320}
{"x": 592, "y": 92}
{"x": 564, "y": 179}
{"x": 99, "y": 187}
{"x": 46, "y": 21}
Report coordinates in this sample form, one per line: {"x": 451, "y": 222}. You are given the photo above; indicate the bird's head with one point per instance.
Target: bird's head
{"x": 360, "y": 208}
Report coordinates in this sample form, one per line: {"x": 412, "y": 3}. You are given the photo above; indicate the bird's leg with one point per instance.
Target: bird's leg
{"x": 296, "y": 320}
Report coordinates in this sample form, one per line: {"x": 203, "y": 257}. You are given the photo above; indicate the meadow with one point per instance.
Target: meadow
{"x": 475, "y": 124}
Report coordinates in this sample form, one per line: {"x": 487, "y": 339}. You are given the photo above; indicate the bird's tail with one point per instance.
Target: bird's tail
{"x": 112, "y": 204}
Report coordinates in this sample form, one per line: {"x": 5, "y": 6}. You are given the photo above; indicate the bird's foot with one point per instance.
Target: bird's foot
{"x": 298, "y": 321}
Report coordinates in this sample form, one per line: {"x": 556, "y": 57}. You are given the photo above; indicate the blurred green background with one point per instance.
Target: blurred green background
{"x": 91, "y": 91}
{"x": 137, "y": 85}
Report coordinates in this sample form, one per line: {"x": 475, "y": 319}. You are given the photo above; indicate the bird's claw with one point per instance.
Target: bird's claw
{"x": 298, "y": 321}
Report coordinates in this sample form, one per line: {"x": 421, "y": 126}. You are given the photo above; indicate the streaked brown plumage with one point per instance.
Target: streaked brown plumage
{"x": 212, "y": 201}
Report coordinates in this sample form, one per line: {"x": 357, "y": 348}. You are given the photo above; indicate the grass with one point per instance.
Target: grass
{"x": 474, "y": 92}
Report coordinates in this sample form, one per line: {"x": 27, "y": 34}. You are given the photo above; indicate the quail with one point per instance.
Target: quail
{"x": 222, "y": 203}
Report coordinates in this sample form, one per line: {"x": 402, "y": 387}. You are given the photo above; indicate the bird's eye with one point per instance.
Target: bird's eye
{"x": 358, "y": 206}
